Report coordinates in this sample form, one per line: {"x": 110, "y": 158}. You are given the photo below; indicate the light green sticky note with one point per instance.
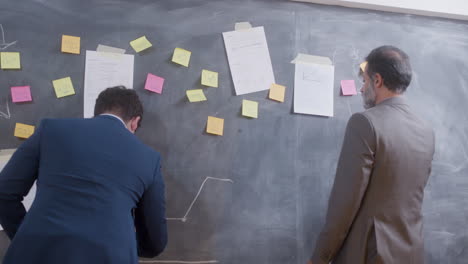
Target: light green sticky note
{"x": 196, "y": 95}
{"x": 209, "y": 78}
{"x": 10, "y": 60}
{"x": 63, "y": 87}
{"x": 140, "y": 44}
{"x": 250, "y": 108}
{"x": 181, "y": 57}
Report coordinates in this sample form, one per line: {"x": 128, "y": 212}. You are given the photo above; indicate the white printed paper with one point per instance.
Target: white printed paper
{"x": 5, "y": 156}
{"x": 102, "y": 72}
{"x": 249, "y": 60}
{"x": 313, "y": 89}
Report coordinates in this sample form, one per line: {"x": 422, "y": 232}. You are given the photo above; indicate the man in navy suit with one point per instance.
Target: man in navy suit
{"x": 100, "y": 192}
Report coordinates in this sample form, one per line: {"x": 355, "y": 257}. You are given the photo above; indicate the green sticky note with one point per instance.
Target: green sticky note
{"x": 140, "y": 44}
{"x": 196, "y": 95}
{"x": 250, "y": 108}
{"x": 10, "y": 60}
{"x": 209, "y": 78}
{"x": 63, "y": 87}
{"x": 181, "y": 57}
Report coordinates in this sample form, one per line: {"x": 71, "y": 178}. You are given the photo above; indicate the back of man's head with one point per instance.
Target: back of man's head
{"x": 119, "y": 101}
{"x": 393, "y": 65}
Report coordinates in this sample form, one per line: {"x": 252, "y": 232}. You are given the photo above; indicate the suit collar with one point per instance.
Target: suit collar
{"x": 396, "y": 100}
{"x": 112, "y": 117}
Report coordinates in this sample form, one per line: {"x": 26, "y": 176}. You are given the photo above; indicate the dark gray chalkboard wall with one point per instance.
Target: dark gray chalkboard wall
{"x": 282, "y": 164}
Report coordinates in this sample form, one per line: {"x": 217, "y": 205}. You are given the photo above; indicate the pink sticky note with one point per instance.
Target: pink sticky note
{"x": 154, "y": 83}
{"x": 348, "y": 87}
{"x": 21, "y": 94}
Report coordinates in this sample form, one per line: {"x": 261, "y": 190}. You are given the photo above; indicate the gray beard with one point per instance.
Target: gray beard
{"x": 369, "y": 97}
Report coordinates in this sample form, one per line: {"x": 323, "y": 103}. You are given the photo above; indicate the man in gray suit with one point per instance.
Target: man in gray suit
{"x": 374, "y": 212}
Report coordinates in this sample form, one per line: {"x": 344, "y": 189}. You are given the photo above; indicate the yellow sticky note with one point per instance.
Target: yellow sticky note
{"x": 140, "y": 44}
{"x": 71, "y": 44}
{"x": 363, "y": 66}
{"x": 209, "y": 78}
{"x": 250, "y": 108}
{"x": 195, "y": 95}
{"x": 63, "y": 87}
{"x": 277, "y": 92}
{"x": 23, "y": 130}
{"x": 10, "y": 60}
{"x": 181, "y": 56}
{"x": 215, "y": 126}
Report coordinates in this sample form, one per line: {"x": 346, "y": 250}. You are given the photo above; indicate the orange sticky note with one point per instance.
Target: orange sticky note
{"x": 215, "y": 126}
{"x": 181, "y": 57}
{"x": 71, "y": 44}
{"x": 23, "y": 130}
{"x": 10, "y": 60}
{"x": 63, "y": 87}
{"x": 277, "y": 92}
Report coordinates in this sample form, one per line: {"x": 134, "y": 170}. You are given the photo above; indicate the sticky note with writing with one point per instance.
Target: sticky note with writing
{"x": 63, "y": 87}
{"x": 23, "y": 130}
{"x": 21, "y": 94}
{"x": 181, "y": 56}
{"x": 71, "y": 44}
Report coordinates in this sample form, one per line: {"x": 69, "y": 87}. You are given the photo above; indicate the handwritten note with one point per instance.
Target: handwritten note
{"x": 181, "y": 57}
{"x": 21, "y": 94}
{"x": 209, "y": 78}
{"x": 154, "y": 83}
{"x": 195, "y": 95}
{"x": 140, "y": 44}
{"x": 23, "y": 130}
{"x": 102, "y": 72}
{"x": 250, "y": 108}
{"x": 215, "y": 126}
{"x": 63, "y": 87}
{"x": 348, "y": 87}
{"x": 71, "y": 44}
{"x": 363, "y": 66}
{"x": 277, "y": 92}
{"x": 10, "y": 60}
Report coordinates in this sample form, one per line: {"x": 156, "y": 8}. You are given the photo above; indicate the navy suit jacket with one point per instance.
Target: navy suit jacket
{"x": 100, "y": 195}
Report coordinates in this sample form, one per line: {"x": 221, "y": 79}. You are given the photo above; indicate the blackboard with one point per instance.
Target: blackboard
{"x": 281, "y": 165}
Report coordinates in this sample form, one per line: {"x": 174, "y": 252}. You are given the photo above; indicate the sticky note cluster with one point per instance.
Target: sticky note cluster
{"x": 23, "y": 130}
{"x": 10, "y": 60}
{"x": 63, "y": 87}
{"x": 71, "y": 44}
{"x": 21, "y": 94}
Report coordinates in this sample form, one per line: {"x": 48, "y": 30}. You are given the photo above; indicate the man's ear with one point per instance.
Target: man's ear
{"x": 134, "y": 123}
{"x": 378, "y": 81}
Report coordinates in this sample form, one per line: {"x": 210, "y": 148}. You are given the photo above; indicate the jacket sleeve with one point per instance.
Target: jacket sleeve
{"x": 16, "y": 180}
{"x": 352, "y": 176}
{"x": 150, "y": 218}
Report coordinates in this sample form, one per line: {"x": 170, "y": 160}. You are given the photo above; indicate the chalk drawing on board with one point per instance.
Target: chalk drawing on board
{"x": 184, "y": 218}
{"x": 6, "y": 115}
{"x": 5, "y": 45}
{"x": 179, "y": 261}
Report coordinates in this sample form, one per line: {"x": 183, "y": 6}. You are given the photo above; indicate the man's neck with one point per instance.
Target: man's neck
{"x": 384, "y": 95}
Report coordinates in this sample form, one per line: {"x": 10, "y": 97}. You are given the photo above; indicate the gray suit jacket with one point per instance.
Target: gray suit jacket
{"x": 374, "y": 212}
